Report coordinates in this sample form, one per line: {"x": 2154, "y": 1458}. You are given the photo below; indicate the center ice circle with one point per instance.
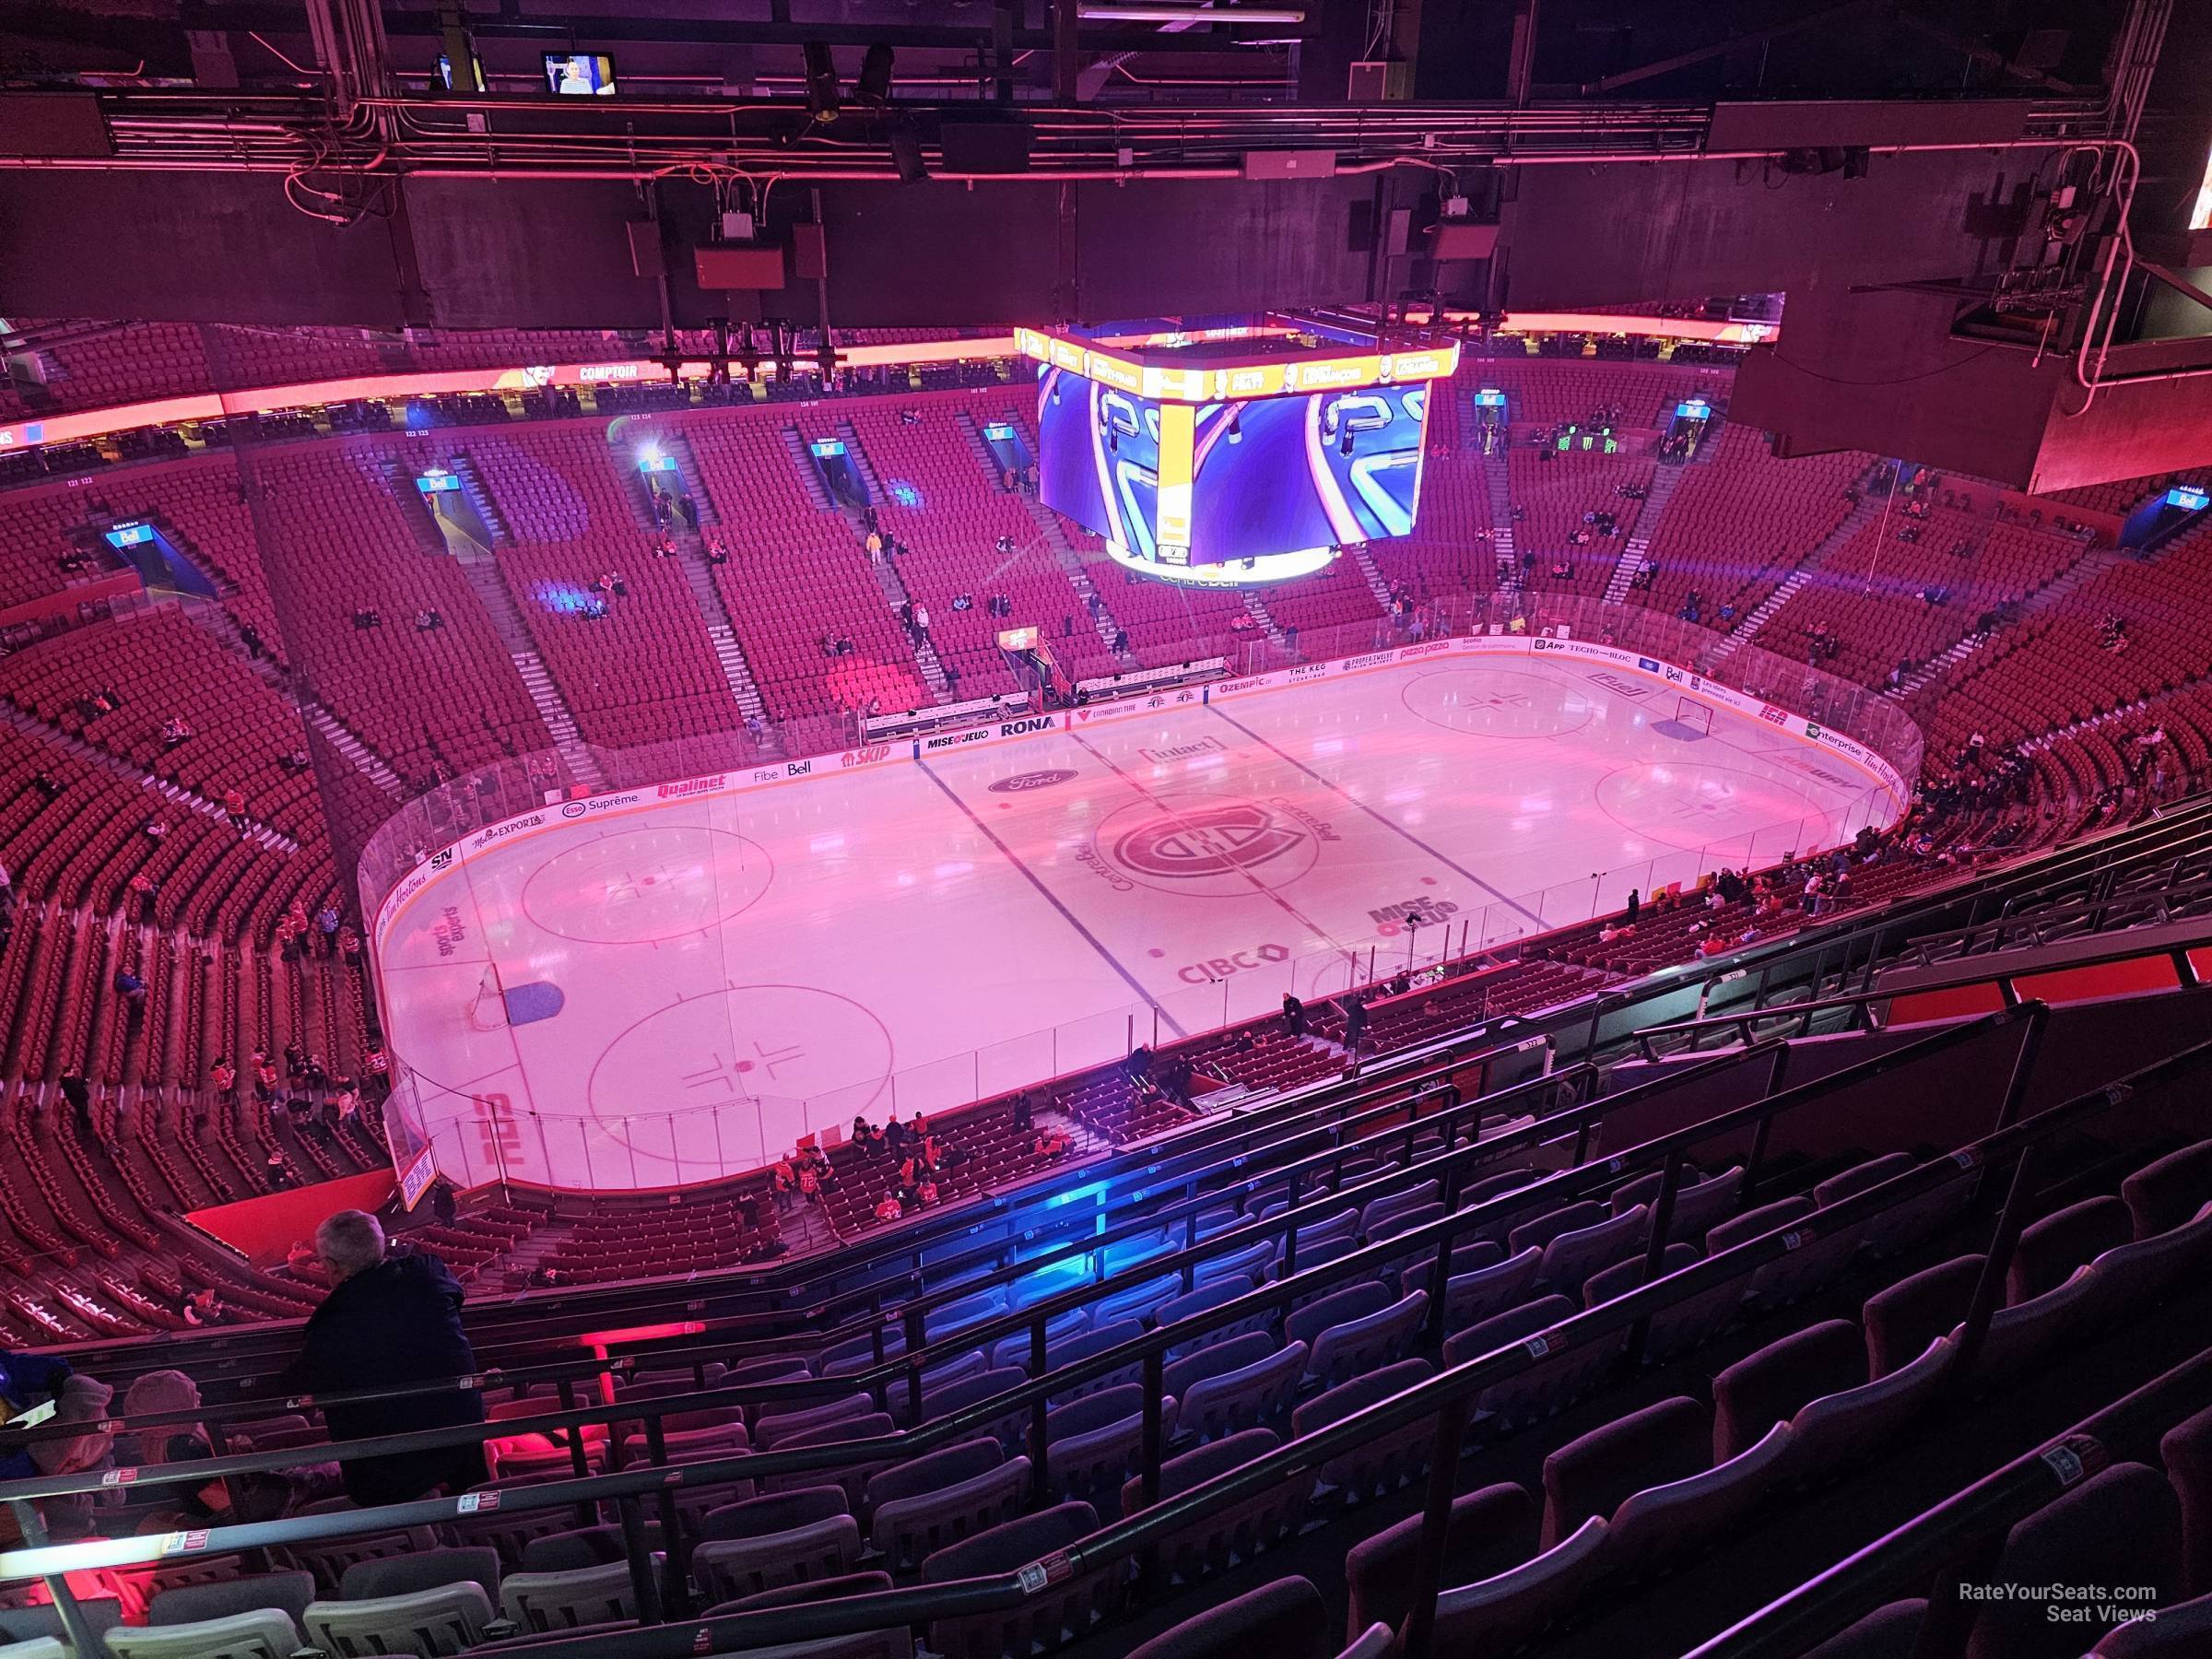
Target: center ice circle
{"x": 1208, "y": 846}
{"x": 634, "y": 887}
{"x": 752, "y": 1056}
{"x": 1499, "y": 702}
{"x": 1690, "y": 804}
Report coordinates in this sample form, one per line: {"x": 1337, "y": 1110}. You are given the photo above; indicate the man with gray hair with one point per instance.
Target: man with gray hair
{"x": 389, "y": 1321}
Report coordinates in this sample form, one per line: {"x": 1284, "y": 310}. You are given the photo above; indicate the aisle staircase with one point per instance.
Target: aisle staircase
{"x": 482, "y": 572}
{"x": 1501, "y": 522}
{"x": 795, "y": 447}
{"x": 1936, "y": 667}
{"x": 1371, "y": 573}
{"x": 1868, "y": 509}
{"x": 1665, "y": 478}
{"x": 691, "y": 556}
{"x": 888, "y": 580}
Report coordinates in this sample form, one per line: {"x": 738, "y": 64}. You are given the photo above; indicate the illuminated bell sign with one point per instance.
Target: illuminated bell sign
{"x": 1018, "y": 638}
{"x": 2187, "y": 496}
{"x": 130, "y": 536}
{"x": 656, "y": 463}
{"x": 1490, "y": 397}
{"x": 435, "y": 482}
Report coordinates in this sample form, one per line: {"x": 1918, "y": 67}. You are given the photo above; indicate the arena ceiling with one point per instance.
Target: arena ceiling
{"x": 1970, "y": 193}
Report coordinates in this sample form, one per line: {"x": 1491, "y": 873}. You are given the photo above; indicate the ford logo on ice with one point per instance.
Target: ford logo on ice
{"x": 1032, "y": 780}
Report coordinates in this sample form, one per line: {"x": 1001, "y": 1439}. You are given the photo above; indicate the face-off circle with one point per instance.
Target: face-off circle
{"x": 1209, "y": 846}
{"x": 1688, "y": 805}
{"x": 637, "y": 886}
{"x": 754, "y": 1052}
{"x": 1499, "y": 702}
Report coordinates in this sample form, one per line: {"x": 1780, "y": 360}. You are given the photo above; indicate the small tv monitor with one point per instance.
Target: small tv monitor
{"x": 445, "y": 74}
{"x": 580, "y": 74}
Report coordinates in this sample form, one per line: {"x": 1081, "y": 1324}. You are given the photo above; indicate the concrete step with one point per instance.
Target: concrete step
{"x": 538, "y": 682}
{"x": 795, "y": 447}
{"x": 1371, "y": 573}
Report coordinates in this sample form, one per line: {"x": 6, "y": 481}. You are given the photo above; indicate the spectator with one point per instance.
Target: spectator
{"x": 1294, "y": 1016}
{"x": 261, "y": 1496}
{"x": 388, "y": 1322}
{"x": 201, "y": 1309}
{"x": 31, "y": 1380}
{"x": 78, "y": 1093}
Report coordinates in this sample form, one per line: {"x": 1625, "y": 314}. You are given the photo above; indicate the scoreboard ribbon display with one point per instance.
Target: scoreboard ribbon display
{"x": 1188, "y": 454}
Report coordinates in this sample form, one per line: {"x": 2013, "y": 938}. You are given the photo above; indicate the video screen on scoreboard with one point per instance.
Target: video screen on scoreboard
{"x": 1213, "y": 483}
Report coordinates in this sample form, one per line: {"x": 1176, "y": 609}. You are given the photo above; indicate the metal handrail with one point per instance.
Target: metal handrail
{"x": 1442, "y": 1234}
{"x": 1229, "y": 1242}
{"x": 1937, "y": 1537}
{"x": 1453, "y": 1161}
{"x": 1971, "y": 972}
{"x": 1442, "y": 1397}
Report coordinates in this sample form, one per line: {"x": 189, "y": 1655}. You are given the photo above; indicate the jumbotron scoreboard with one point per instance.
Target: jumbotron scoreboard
{"x": 1241, "y": 451}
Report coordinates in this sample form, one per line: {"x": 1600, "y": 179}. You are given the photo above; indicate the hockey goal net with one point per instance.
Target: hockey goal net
{"x": 1693, "y": 716}
{"x": 487, "y": 1010}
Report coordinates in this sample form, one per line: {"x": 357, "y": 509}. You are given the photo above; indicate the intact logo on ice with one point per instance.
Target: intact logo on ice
{"x": 1211, "y": 841}
{"x": 1182, "y": 751}
{"x": 1032, "y": 780}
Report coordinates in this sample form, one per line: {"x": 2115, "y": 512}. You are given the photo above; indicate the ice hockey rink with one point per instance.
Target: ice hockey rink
{"x": 681, "y": 985}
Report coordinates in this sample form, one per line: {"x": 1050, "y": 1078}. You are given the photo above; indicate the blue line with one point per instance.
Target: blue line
{"x": 1386, "y": 823}
{"x": 1051, "y": 899}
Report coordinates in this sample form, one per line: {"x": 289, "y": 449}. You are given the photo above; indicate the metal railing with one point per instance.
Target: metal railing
{"x": 1967, "y": 1527}
{"x": 1443, "y": 1399}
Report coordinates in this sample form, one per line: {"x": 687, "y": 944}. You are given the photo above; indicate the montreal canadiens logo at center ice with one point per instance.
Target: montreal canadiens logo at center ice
{"x": 1214, "y": 841}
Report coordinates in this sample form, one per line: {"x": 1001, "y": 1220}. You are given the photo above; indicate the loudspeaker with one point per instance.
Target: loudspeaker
{"x": 808, "y": 261}
{"x": 1456, "y": 239}
{"x": 906, "y": 154}
{"x": 985, "y": 146}
{"x": 739, "y": 267}
{"x": 821, "y": 80}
